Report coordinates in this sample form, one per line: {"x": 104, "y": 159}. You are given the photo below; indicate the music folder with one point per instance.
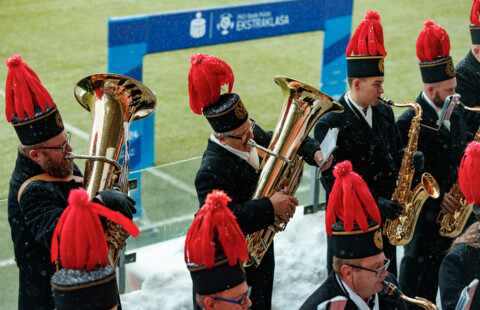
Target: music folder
{"x": 328, "y": 146}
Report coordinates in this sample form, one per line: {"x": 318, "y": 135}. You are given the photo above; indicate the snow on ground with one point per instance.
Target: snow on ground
{"x": 300, "y": 253}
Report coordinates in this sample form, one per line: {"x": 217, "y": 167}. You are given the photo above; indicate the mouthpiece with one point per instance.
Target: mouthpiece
{"x": 254, "y": 144}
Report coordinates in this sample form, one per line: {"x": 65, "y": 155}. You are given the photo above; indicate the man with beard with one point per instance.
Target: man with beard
{"x": 41, "y": 182}
{"x": 443, "y": 148}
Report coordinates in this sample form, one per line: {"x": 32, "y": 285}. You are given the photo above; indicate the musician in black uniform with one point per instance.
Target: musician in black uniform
{"x": 443, "y": 149}
{"x": 460, "y": 266}
{"x": 40, "y": 182}
{"x": 468, "y": 72}
{"x": 359, "y": 264}
{"x": 229, "y": 164}
{"x": 368, "y": 135}
{"x": 215, "y": 258}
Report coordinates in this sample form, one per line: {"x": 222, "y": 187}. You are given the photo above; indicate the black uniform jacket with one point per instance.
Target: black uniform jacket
{"x": 32, "y": 223}
{"x": 468, "y": 85}
{"x": 375, "y": 153}
{"x": 443, "y": 149}
{"x": 221, "y": 169}
{"x": 331, "y": 288}
{"x": 459, "y": 267}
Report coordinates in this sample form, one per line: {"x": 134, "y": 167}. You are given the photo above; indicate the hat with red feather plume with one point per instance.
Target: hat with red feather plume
{"x": 433, "y": 51}
{"x": 366, "y": 52}
{"x": 224, "y": 112}
{"x": 468, "y": 176}
{"x": 28, "y": 105}
{"x": 86, "y": 281}
{"x": 357, "y": 234}
{"x": 215, "y": 247}
{"x": 475, "y": 22}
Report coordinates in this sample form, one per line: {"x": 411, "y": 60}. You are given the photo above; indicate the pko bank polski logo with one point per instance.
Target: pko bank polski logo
{"x": 251, "y": 21}
{"x": 226, "y": 23}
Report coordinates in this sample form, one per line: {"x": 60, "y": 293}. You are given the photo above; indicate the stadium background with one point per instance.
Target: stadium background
{"x": 64, "y": 41}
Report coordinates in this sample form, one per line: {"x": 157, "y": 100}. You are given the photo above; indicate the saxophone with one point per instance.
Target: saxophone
{"x": 394, "y": 291}
{"x": 452, "y": 223}
{"x": 302, "y": 107}
{"x": 114, "y": 101}
{"x": 400, "y": 230}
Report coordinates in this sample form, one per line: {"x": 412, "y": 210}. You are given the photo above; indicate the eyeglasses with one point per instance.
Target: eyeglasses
{"x": 252, "y": 127}
{"x": 63, "y": 147}
{"x": 240, "y": 301}
{"x": 379, "y": 271}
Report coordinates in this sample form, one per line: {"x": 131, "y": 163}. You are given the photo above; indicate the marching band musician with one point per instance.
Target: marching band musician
{"x": 85, "y": 281}
{"x": 215, "y": 249}
{"x": 229, "y": 164}
{"x": 443, "y": 149}
{"x": 41, "y": 182}
{"x": 359, "y": 264}
{"x": 460, "y": 265}
{"x": 468, "y": 72}
{"x": 368, "y": 136}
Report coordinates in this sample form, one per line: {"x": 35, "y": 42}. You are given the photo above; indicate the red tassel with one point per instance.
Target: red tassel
{"x": 215, "y": 230}
{"x": 433, "y": 42}
{"x": 368, "y": 37}
{"x": 350, "y": 200}
{"x": 23, "y": 91}
{"x": 469, "y": 173}
{"x": 78, "y": 238}
{"x": 475, "y": 13}
{"x": 206, "y": 77}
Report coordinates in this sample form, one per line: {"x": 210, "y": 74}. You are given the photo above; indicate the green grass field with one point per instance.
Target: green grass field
{"x": 63, "y": 41}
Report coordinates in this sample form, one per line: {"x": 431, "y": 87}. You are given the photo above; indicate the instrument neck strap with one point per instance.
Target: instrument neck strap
{"x": 48, "y": 178}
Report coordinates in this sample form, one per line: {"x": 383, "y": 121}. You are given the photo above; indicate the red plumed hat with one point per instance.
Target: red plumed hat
{"x": 475, "y": 13}
{"x": 432, "y": 42}
{"x": 206, "y": 77}
{"x": 365, "y": 52}
{"x": 368, "y": 38}
{"x": 23, "y": 91}
{"x": 79, "y": 239}
{"x": 469, "y": 173}
{"x": 215, "y": 247}
{"x": 475, "y": 22}
{"x": 433, "y": 50}
{"x": 28, "y": 105}
{"x": 350, "y": 200}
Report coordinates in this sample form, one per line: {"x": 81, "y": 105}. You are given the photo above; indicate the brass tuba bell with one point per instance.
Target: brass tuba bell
{"x": 114, "y": 101}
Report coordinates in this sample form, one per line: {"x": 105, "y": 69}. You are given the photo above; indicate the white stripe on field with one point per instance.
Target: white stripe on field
{"x": 183, "y": 186}
{"x": 7, "y": 262}
{"x": 2, "y": 93}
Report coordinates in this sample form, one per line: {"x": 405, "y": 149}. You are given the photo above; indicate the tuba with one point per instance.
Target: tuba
{"x": 452, "y": 223}
{"x": 394, "y": 291}
{"x": 114, "y": 101}
{"x": 282, "y": 167}
{"x": 400, "y": 230}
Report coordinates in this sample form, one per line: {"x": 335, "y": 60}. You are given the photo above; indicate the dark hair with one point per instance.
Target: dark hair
{"x": 471, "y": 237}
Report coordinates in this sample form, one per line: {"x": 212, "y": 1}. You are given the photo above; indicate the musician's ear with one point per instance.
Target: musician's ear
{"x": 476, "y": 51}
{"x": 35, "y": 155}
{"x": 347, "y": 273}
{"x": 209, "y": 303}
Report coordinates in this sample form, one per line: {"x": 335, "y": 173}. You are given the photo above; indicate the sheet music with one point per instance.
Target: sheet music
{"x": 328, "y": 146}
{"x": 447, "y": 109}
